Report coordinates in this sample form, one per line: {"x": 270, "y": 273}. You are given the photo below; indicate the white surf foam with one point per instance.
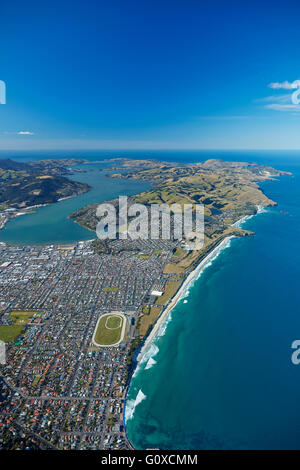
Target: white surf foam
{"x": 132, "y": 404}
{"x": 261, "y": 209}
{"x": 240, "y": 222}
{"x": 205, "y": 265}
{"x": 148, "y": 356}
{"x": 162, "y": 330}
{"x": 151, "y": 348}
{"x": 150, "y": 363}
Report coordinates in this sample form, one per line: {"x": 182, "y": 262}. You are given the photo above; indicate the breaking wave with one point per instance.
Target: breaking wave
{"x": 150, "y": 363}
{"x": 132, "y": 404}
{"x": 240, "y": 222}
{"x": 147, "y": 359}
{"x": 205, "y": 265}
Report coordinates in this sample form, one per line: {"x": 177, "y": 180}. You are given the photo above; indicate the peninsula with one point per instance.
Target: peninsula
{"x": 76, "y": 318}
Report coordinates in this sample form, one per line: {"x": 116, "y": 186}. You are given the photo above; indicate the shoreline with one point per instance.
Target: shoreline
{"x": 172, "y": 303}
{"x": 161, "y": 319}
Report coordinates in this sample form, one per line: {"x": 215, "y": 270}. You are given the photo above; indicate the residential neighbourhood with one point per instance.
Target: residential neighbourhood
{"x": 58, "y": 390}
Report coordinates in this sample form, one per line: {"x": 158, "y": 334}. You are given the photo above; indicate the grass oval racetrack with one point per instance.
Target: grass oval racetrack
{"x": 109, "y": 330}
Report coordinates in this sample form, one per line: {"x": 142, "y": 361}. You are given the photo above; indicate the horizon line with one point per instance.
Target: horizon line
{"x": 210, "y": 149}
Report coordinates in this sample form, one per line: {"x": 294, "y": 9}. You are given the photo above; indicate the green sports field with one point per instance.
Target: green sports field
{"x": 109, "y": 330}
{"x": 9, "y": 333}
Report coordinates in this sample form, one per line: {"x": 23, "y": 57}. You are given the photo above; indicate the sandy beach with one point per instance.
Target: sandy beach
{"x": 177, "y": 297}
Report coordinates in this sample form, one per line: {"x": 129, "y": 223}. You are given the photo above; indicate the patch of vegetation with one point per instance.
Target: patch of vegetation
{"x": 107, "y": 335}
{"x": 148, "y": 320}
{"x": 9, "y": 333}
{"x": 110, "y": 289}
{"x": 180, "y": 252}
{"x": 113, "y": 322}
{"x": 170, "y": 289}
{"x": 146, "y": 309}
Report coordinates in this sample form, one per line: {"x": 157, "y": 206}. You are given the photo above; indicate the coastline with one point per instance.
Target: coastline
{"x": 161, "y": 319}
{"x": 172, "y": 303}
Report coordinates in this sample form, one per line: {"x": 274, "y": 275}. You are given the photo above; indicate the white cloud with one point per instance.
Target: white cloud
{"x": 18, "y": 133}
{"x": 285, "y": 85}
{"x": 282, "y": 99}
{"x": 287, "y": 102}
{"x": 283, "y": 107}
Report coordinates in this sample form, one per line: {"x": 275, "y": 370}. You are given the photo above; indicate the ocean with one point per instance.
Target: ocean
{"x": 219, "y": 375}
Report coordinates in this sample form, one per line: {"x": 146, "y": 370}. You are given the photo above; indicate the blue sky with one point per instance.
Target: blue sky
{"x": 149, "y": 74}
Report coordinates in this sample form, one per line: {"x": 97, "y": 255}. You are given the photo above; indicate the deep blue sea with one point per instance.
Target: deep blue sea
{"x": 220, "y": 374}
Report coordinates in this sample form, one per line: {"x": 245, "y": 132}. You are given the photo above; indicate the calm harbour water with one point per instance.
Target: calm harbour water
{"x": 50, "y": 224}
